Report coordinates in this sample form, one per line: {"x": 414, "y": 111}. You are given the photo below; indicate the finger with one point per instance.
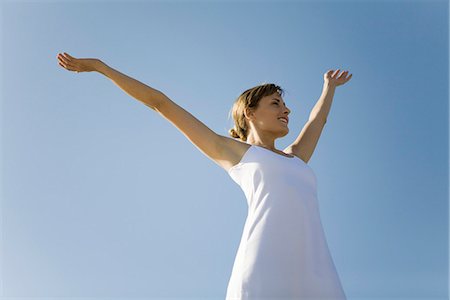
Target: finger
{"x": 62, "y": 58}
{"x": 347, "y": 79}
{"x": 66, "y": 64}
{"x": 69, "y": 66}
{"x": 72, "y": 66}
{"x": 67, "y": 55}
{"x": 62, "y": 63}
{"x": 67, "y": 58}
{"x": 344, "y": 74}
{"x": 336, "y": 72}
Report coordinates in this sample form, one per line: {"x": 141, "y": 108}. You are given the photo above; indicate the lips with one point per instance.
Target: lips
{"x": 284, "y": 119}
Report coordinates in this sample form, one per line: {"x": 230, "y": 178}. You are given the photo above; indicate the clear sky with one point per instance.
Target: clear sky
{"x": 102, "y": 197}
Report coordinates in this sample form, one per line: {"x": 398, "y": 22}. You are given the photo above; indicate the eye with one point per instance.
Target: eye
{"x": 275, "y": 103}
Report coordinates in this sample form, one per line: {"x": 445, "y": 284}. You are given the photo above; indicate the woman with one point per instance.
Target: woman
{"x": 283, "y": 253}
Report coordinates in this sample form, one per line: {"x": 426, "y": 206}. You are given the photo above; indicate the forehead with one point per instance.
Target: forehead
{"x": 275, "y": 97}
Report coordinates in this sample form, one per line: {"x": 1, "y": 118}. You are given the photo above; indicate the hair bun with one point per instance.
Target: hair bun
{"x": 232, "y": 132}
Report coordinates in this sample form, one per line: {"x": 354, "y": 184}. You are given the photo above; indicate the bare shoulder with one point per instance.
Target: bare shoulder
{"x": 231, "y": 152}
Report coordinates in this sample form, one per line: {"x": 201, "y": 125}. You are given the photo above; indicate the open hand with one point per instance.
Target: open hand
{"x": 77, "y": 64}
{"x": 331, "y": 77}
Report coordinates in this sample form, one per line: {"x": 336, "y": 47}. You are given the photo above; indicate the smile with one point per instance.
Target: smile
{"x": 283, "y": 120}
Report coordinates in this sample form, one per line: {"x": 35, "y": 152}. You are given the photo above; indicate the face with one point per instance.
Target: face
{"x": 267, "y": 116}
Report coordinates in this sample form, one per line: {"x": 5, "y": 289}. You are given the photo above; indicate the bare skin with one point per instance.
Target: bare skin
{"x": 264, "y": 123}
{"x": 265, "y": 126}
{"x": 77, "y": 64}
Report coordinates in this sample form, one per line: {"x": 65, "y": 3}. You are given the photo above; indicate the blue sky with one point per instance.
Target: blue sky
{"x": 102, "y": 197}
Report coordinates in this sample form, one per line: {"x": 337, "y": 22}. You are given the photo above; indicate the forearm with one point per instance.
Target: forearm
{"x": 322, "y": 108}
{"x": 149, "y": 96}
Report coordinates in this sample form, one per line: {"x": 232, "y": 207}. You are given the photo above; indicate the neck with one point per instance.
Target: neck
{"x": 266, "y": 143}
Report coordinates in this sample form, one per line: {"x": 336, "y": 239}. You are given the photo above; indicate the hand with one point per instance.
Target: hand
{"x": 77, "y": 64}
{"x": 331, "y": 77}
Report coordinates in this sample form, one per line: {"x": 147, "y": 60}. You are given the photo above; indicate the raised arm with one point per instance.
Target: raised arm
{"x": 306, "y": 142}
{"x": 222, "y": 150}
{"x": 136, "y": 89}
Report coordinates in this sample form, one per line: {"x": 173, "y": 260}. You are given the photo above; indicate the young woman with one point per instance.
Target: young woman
{"x": 283, "y": 253}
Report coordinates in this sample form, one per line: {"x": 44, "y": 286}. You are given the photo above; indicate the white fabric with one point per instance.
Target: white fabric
{"x": 283, "y": 253}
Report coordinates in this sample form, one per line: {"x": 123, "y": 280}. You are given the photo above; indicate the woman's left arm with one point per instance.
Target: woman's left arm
{"x": 305, "y": 143}
{"x": 331, "y": 81}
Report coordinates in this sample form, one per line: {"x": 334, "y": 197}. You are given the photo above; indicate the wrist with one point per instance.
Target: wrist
{"x": 329, "y": 85}
{"x": 100, "y": 66}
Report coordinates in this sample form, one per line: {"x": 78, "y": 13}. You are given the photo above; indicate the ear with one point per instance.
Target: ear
{"x": 248, "y": 113}
{"x": 247, "y": 116}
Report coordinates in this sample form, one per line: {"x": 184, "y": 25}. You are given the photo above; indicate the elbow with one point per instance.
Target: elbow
{"x": 158, "y": 99}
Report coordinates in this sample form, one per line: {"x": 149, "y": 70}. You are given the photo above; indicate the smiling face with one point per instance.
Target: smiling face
{"x": 266, "y": 118}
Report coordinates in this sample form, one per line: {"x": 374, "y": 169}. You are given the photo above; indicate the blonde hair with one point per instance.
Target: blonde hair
{"x": 249, "y": 100}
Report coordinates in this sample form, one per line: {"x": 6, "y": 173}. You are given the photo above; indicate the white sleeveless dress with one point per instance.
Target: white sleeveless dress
{"x": 283, "y": 253}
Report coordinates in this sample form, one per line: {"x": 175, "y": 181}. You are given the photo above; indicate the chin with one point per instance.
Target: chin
{"x": 284, "y": 133}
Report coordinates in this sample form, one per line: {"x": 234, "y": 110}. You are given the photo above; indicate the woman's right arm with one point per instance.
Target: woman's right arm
{"x": 224, "y": 151}
{"x": 136, "y": 89}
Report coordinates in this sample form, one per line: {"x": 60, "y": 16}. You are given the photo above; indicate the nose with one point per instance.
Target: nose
{"x": 287, "y": 110}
